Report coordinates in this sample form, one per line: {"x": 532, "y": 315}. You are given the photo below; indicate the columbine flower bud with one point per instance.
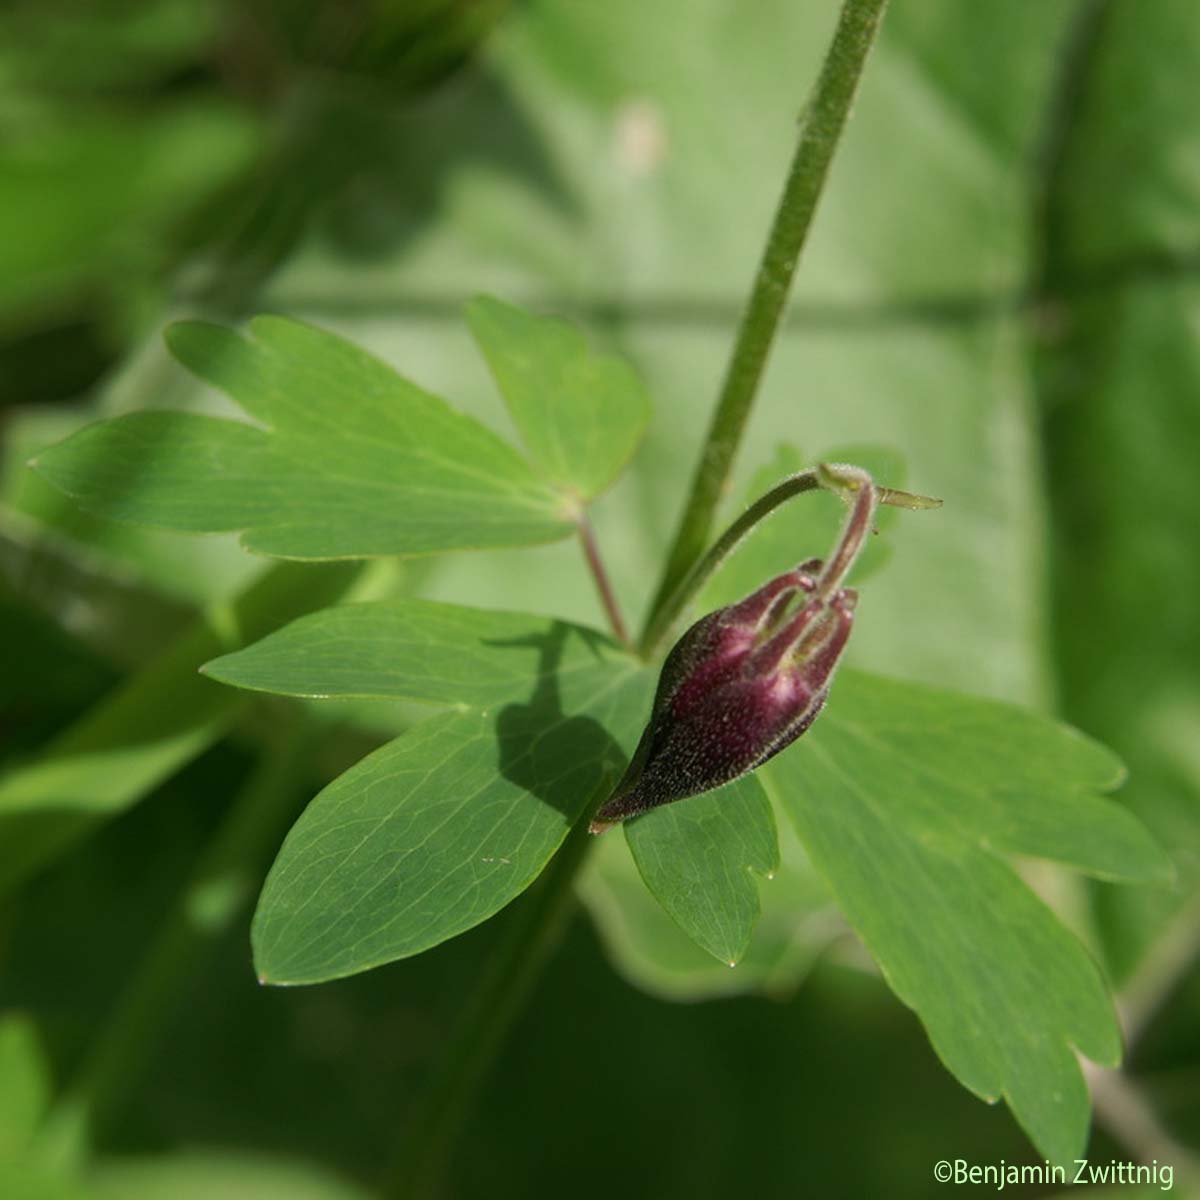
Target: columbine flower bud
{"x": 747, "y": 680}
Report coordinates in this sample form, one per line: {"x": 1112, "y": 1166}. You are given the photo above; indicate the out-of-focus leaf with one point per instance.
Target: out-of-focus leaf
{"x": 357, "y": 461}
{"x": 33, "y": 1180}
{"x": 44, "y": 668}
{"x": 96, "y": 194}
{"x": 1138, "y": 1191}
{"x": 696, "y": 857}
{"x": 580, "y": 413}
{"x": 908, "y": 799}
{"x": 1137, "y": 159}
{"x": 157, "y": 720}
{"x": 194, "y": 1176}
{"x": 1120, "y": 373}
{"x": 24, "y": 1084}
{"x": 1127, "y": 574}
{"x": 101, "y": 43}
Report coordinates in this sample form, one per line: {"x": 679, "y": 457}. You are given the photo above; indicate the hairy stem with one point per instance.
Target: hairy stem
{"x": 821, "y": 127}
{"x": 533, "y": 931}
{"x": 816, "y": 478}
{"x": 608, "y": 597}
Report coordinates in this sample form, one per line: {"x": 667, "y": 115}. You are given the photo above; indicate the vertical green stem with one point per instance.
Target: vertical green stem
{"x": 217, "y": 892}
{"x": 824, "y": 118}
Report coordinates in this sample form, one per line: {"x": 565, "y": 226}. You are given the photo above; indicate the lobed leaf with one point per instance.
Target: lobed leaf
{"x": 695, "y": 860}
{"x": 353, "y": 461}
{"x": 908, "y": 799}
{"x": 442, "y": 827}
{"x": 581, "y": 414}
{"x": 437, "y": 831}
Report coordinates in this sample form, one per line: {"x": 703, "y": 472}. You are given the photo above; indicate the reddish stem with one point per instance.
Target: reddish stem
{"x": 608, "y": 597}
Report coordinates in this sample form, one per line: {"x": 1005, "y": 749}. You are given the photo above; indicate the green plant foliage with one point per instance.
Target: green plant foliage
{"x": 194, "y": 1176}
{"x": 581, "y": 414}
{"x": 95, "y": 194}
{"x": 617, "y": 162}
{"x": 696, "y": 859}
{"x": 24, "y": 1085}
{"x": 200, "y": 1176}
{"x": 438, "y": 830}
{"x": 519, "y": 668}
{"x": 523, "y": 674}
{"x": 417, "y": 650}
{"x": 797, "y": 920}
{"x": 1120, "y": 373}
{"x": 442, "y": 827}
{"x": 908, "y": 799}
{"x": 145, "y": 730}
{"x": 355, "y": 461}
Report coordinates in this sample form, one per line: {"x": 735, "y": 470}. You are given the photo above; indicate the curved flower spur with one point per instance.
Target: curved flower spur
{"x": 746, "y": 680}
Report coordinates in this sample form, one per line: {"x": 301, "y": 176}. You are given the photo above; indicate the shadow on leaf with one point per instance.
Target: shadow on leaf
{"x": 554, "y": 756}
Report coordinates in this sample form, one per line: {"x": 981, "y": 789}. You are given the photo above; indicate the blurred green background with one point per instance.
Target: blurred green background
{"x": 1002, "y": 287}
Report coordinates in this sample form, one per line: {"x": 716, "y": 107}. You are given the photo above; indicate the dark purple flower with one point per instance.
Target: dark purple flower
{"x": 740, "y": 685}
{"x": 747, "y": 680}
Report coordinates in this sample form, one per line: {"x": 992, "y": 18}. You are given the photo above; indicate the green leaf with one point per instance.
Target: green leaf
{"x": 97, "y": 195}
{"x": 415, "y": 650}
{"x": 906, "y": 340}
{"x": 145, "y": 730}
{"x": 1119, "y": 378}
{"x": 441, "y": 828}
{"x": 581, "y": 414}
{"x": 116, "y": 556}
{"x": 696, "y": 858}
{"x": 24, "y": 1084}
{"x": 31, "y": 1179}
{"x": 652, "y": 950}
{"x": 908, "y": 799}
{"x": 202, "y": 1175}
{"x": 355, "y": 460}
{"x": 1127, "y": 574}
